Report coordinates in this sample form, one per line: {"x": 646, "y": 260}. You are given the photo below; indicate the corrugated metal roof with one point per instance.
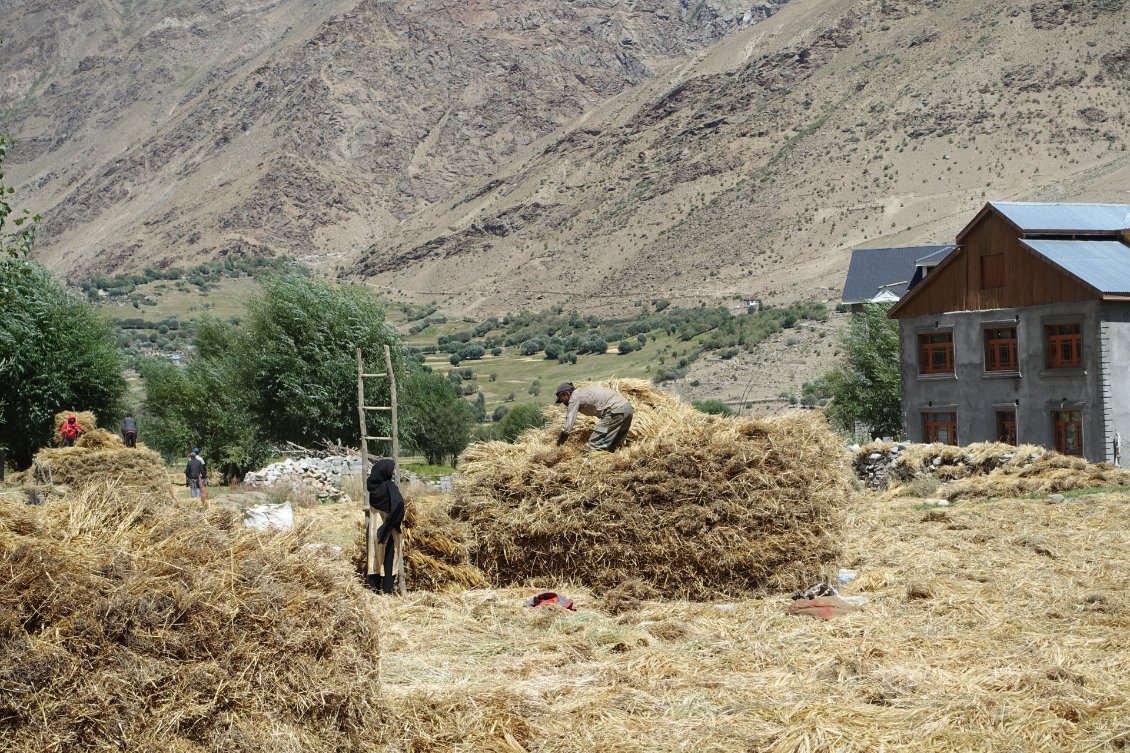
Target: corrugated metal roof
{"x": 1104, "y": 265}
{"x": 873, "y": 269}
{"x": 1033, "y": 217}
{"x": 934, "y": 259}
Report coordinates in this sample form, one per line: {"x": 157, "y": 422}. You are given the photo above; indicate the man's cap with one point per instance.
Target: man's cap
{"x": 564, "y": 387}
{"x": 196, "y": 450}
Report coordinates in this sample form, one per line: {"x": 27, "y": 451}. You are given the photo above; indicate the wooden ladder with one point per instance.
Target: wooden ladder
{"x": 375, "y": 552}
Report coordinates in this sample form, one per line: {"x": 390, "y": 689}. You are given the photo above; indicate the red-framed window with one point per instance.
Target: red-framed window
{"x": 935, "y": 353}
{"x": 1006, "y": 426}
{"x": 939, "y": 426}
{"x": 1064, "y": 345}
{"x": 1000, "y": 349}
{"x": 1068, "y": 428}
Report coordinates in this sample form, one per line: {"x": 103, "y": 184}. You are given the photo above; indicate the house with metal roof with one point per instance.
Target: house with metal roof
{"x": 882, "y": 275}
{"x": 1022, "y": 333}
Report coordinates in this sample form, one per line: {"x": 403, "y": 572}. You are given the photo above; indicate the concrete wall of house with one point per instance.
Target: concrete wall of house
{"x": 1115, "y": 336}
{"x": 1034, "y": 391}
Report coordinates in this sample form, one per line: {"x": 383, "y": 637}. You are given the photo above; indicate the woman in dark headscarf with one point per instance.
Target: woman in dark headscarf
{"x": 385, "y": 497}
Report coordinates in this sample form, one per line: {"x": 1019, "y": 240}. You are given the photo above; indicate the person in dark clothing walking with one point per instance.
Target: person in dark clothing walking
{"x": 129, "y": 431}
{"x": 384, "y": 496}
{"x": 193, "y": 473}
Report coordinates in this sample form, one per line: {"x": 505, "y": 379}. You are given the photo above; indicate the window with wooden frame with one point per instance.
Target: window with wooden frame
{"x": 1006, "y": 426}
{"x": 1064, "y": 345}
{"x": 1000, "y": 349}
{"x": 939, "y": 426}
{"x": 935, "y": 353}
{"x": 1068, "y": 429}
{"x": 992, "y": 271}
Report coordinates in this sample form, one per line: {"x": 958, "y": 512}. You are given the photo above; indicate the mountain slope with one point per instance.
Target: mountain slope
{"x": 757, "y": 167}
{"x": 155, "y": 131}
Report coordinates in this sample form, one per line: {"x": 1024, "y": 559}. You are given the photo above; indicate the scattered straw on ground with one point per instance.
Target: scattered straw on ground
{"x": 138, "y": 625}
{"x": 86, "y": 419}
{"x": 990, "y": 627}
{"x": 693, "y": 505}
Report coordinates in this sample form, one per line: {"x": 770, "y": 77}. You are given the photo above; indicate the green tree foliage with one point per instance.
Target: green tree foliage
{"x": 56, "y": 353}
{"x": 441, "y": 422}
{"x": 202, "y": 405}
{"x": 520, "y": 418}
{"x": 14, "y": 246}
{"x": 286, "y": 372}
{"x": 296, "y": 350}
{"x": 865, "y": 386}
{"x": 716, "y": 407}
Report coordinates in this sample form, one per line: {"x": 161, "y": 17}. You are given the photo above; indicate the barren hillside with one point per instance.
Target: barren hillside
{"x": 163, "y": 130}
{"x": 760, "y": 164}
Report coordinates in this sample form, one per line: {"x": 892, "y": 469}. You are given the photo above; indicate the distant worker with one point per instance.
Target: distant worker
{"x": 71, "y": 431}
{"x": 612, "y": 408}
{"x": 129, "y": 431}
{"x": 203, "y": 466}
{"x": 193, "y": 474}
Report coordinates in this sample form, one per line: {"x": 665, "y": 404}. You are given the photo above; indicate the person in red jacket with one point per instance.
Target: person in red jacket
{"x": 71, "y": 431}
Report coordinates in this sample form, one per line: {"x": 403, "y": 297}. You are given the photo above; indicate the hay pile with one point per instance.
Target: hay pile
{"x": 693, "y": 506}
{"x": 138, "y": 470}
{"x": 137, "y": 625}
{"x": 86, "y": 419}
{"x": 435, "y": 549}
{"x": 990, "y": 469}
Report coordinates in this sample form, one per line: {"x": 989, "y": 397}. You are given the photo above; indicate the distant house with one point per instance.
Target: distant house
{"x": 1022, "y": 334}
{"x": 882, "y": 275}
{"x": 751, "y": 302}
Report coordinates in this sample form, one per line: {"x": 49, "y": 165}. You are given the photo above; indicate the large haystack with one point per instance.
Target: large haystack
{"x": 693, "y": 505}
{"x": 138, "y": 625}
{"x": 138, "y": 470}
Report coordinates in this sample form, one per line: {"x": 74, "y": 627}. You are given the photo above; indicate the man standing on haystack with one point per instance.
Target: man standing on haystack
{"x": 129, "y": 431}
{"x": 611, "y": 408}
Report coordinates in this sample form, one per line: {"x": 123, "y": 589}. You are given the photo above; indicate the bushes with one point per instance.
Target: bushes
{"x": 58, "y": 354}
{"x": 520, "y": 418}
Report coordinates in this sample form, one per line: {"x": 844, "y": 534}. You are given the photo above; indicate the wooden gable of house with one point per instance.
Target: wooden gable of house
{"x": 991, "y": 269}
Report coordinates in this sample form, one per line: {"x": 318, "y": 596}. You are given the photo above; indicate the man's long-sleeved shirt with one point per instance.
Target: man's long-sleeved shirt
{"x": 593, "y": 400}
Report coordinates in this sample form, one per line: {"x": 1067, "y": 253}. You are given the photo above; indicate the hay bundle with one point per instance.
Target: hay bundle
{"x": 435, "y": 549}
{"x": 693, "y": 505}
{"x": 138, "y": 625}
{"x": 86, "y": 419}
{"x": 138, "y": 470}
{"x": 100, "y": 439}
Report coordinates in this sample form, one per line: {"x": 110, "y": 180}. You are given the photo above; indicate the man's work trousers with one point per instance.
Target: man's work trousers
{"x": 611, "y": 430}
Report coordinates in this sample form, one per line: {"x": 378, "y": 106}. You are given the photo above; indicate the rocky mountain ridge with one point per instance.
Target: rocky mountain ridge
{"x": 156, "y": 131}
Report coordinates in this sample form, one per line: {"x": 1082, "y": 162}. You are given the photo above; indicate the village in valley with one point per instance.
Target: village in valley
{"x": 523, "y": 377}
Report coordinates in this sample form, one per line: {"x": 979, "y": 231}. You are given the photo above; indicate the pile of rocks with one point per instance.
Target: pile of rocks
{"x": 872, "y": 465}
{"x": 881, "y": 463}
{"x": 320, "y": 477}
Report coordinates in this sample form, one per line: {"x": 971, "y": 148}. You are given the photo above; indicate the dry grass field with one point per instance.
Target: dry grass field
{"x": 990, "y": 626}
